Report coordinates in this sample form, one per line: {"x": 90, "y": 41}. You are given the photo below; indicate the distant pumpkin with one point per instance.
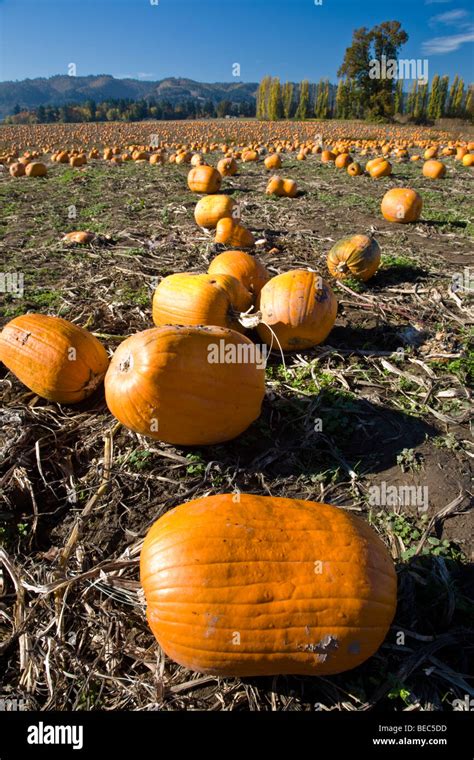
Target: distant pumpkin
{"x": 230, "y": 232}
{"x": 204, "y": 179}
{"x": 36, "y": 169}
{"x": 434, "y": 169}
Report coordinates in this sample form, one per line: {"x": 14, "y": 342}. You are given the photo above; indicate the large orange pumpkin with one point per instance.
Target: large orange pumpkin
{"x": 211, "y": 208}
{"x": 401, "y": 204}
{"x": 189, "y": 386}
{"x": 261, "y": 585}
{"x": 356, "y": 256}
{"x": 200, "y": 299}
{"x": 36, "y": 169}
{"x": 204, "y": 179}
{"x": 300, "y": 307}
{"x": 53, "y": 357}
{"x": 244, "y": 267}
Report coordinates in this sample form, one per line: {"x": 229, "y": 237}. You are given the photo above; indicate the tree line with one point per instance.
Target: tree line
{"x": 125, "y": 109}
{"x": 420, "y": 103}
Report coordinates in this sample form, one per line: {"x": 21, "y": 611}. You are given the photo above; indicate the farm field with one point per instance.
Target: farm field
{"x": 390, "y": 387}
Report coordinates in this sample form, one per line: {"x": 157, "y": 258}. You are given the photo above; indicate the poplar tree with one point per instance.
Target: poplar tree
{"x": 287, "y": 99}
{"x": 433, "y": 103}
{"x": 303, "y": 105}
{"x": 398, "y": 97}
{"x": 275, "y": 109}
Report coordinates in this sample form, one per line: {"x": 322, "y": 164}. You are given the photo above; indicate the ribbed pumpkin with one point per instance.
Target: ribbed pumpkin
{"x": 275, "y": 187}
{"x": 343, "y": 160}
{"x": 260, "y": 586}
{"x": 356, "y": 256}
{"x": 401, "y": 204}
{"x": 244, "y": 267}
{"x": 380, "y": 169}
{"x": 200, "y": 299}
{"x": 227, "y": 167}
{"x": 211, "y": 208}
{"x": 300, "y": 307}
{"x": 204, "y": 179}
{"x": 54, "y": 358}
{"x": 230, "y": 232}
{"x": 165, "y": 383}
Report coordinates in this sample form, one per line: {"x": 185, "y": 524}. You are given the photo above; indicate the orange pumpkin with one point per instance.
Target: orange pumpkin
{"x": 191, "y": 386}
{"x": 54, "y": 358}
{"x": 227, "y": 167}
{"x": 79, "y": 236}
{"x": 261, "y": 585}
{"x": 401, "y": 204}
{"x": 244, "y": 267}
{"x": 249, "y": 155}
{"x": 36, "y": 169}
{"x": 356, "y": 256}
{"x": 17, "y": 169}
{"x": 200, "y": 299}
{"x": 380, "y": 169}
{"x": 272, "y": 162}
{"x": 468, "y": 159}
{"x": 204, "y": 179}
{"x": 230, "y": 232}
{"x": 211, "y": 208}
{"x": 343, "y": 160}
{"x": 275, "y": 187}
{"x": 434, "y": 169}
{"x": 327, "y": 156}
{"x": 299, "y": 307}
{"x": 354, "y": 169}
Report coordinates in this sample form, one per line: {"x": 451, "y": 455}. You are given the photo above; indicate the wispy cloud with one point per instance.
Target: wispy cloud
{"x": 449, "y": 43}
{"x": 144, "y": 75}
{"x": 449, "y": 18}
{"x": 435, "y": 2}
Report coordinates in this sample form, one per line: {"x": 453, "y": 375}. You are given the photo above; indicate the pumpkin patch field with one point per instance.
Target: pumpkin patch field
{"x": 236, "y": 458}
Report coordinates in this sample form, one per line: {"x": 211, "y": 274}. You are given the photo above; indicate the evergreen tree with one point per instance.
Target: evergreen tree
{"x": 411, "y": 100}
{"x": 443, "y": 94}
{"x": 262, "y": 97}
{"x": 398, "y": 97}
{"x": 275, "y": 107}
{"x": 458, "y": 100}
{"x": 433, "y": 102}
{"x": 303, "y": 105}
{"x": 452, "y": 93}
{"x": 287, "y": 99}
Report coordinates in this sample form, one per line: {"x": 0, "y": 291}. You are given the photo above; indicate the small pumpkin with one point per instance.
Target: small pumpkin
{"x": 190, "y": 386}
{"x": 227, "y": 167}
{"x": 204, "y": 179}
{"x": 355, "y": 169}
{"x": 200, "y": 299}
{"x": 17, "y": 169}
{"x": 434, "y": 169}
{"x": 35, "y": 169}
{"x": 356, "y": 256}
{"x": 468, "y": 159}
{"x": 290, "y": 188}
{"x": 244, "y": 267}
{"x": 54, "y": 358}
{"x": 211, "y": 208}
{"x": 79, "y": 236}
{"x": 249, "y": 155}
{"x": 380, "y": 169}
{"x": 343, "y": 160}
{"x": 327, "y": 156}
{"x": 230, "y": 232}
{"x": 299, "y": 307}
{"x": 272, "y": 162}
{"x": 275, "y": 187}
{"x": 261, "y": 585}
{"x": 401, "y": 204}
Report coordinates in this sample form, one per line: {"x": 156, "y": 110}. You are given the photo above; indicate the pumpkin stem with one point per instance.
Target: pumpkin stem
{"x": 342, "y": 267}
{"x": 126, "y": 364}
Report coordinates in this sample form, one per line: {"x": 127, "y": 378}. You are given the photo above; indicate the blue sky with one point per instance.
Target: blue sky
{"x": 202, "y": 39}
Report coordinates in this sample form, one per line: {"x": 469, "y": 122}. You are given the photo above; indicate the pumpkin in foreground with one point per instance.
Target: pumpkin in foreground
{"x": 200, "y": 299}
{"x": 258, "y": 585}
{"x": 189, "y": 386}
{"x": 54, "y": 358}
{"x": 356, "y": 256}
{"x": 299, "y": 307}
{"x": 402, "y": 205}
